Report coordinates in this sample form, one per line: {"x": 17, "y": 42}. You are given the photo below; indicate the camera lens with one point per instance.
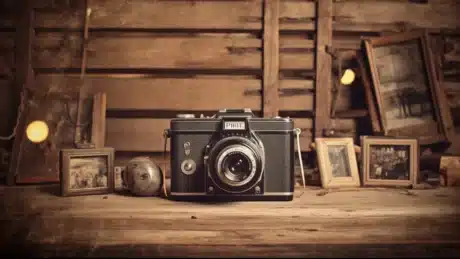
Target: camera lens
{"x": 236, "y": 167}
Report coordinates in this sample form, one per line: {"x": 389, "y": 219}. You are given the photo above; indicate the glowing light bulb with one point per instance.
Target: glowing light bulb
{"x": 348, "y": 77}
{"x": 37, "y": 131}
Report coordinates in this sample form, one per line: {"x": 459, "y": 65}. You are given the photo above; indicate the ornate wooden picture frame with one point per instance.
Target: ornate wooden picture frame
{"x": 388, "y": 161}
{"x": 337, "y": 162}
{"x": 87, "y": 171}
{"x": 410, "y": 102}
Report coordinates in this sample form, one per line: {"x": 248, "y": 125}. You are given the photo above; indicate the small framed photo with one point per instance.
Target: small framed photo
{"x": 389, "y": 161}
{"x": 87, "y": 171}
{"x": 337, "y": 162}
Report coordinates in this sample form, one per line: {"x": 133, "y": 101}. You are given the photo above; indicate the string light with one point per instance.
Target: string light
{"x": 348, "y": 77}
{"x": 37, "y": 131}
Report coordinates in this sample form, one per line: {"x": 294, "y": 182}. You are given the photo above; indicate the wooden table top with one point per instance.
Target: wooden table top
{"x": 347, "y": 222}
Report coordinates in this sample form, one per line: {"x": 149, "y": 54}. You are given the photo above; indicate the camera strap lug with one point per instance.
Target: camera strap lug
{"x": 297, "y": 132}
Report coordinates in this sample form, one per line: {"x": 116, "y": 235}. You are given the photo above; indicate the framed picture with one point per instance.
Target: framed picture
{"x": 410, "y": 102}
{"x": 388, "y": 161}
{"x": 337, "y": 162}
{"x": 87, "y": 171}
{"x": 449, "y": 168}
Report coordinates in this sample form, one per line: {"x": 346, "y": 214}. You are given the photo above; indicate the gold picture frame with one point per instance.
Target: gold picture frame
{"x": 337, "y": 162}
{"x": 388, "y": 161}
{"x": 87, "y": 171}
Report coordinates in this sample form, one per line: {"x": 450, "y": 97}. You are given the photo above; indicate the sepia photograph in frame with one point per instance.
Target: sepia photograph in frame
{"x": 87, "y": 171}
{"x": 409, "y": 99}
{"x": 389, "y": 161}
{"x": 337, "y": 162}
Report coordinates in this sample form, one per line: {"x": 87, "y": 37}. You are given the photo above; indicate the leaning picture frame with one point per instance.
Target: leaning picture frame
{"x": 337, "y": 162}
{"x": 409, "y": 99}
{"x": 389, "y": 161}
{"x": 87, "y": 171}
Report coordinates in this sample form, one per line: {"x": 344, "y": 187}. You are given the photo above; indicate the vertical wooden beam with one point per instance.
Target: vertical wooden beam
{"x": 323, "y": 79}
{"x": 271, "y": 58}
{"x": 24, "y": 77}
{"x": 98, "y": 120}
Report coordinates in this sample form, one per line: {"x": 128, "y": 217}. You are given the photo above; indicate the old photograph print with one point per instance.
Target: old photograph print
{"x": 338, "y": 157}
{"x": 88, "y": 173}
{"x": 389, "y": 162}
{"x": 404, "y": 89}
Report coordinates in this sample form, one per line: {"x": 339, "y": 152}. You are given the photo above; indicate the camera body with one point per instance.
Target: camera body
{"x": 232, "y": 156}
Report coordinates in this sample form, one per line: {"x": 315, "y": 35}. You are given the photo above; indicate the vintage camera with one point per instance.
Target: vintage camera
{"x": 232, "y": 155}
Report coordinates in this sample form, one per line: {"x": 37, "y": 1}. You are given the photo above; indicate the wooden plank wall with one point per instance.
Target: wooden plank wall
{"x": 155, "y": 59}
{"x": 6, "y": 75}
{"x": 355, "y": 19}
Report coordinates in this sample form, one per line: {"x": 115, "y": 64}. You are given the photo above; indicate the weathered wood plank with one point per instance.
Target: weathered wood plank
{"x": 193, "y": 94}
{"x": 294, "y": 15}
{"x": 23, "y": 79}
{"x": 98, "y": 120}
{"x": 271, "y": 59}
{"x": 296, "y": 43}
{"x": 394, "y": 15}
{"x": 418, "y": 217}
{"x": 227, "y": 51}
{"x": 146, "y": 135}
{"x": 323, "y": 66}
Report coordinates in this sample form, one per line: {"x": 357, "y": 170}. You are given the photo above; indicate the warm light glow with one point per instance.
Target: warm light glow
{"x": 37, "y": 131}
{"x": 348, "y": 77}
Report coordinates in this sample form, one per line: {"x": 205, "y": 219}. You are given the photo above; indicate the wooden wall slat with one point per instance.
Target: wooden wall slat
{"x": 338, "y": 42}
{"x": 389, "y": 15}
{"x": 323, "y": 80}
{"x": 271, "y": 59}
{"x": 194, "y": 94}
{"x": 228, "y": 51}
{"x": 146, "y": 135}
{"x": 175, "y": 14}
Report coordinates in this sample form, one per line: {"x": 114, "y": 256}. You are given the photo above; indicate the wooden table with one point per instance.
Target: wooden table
{"x": 354, "y": 222}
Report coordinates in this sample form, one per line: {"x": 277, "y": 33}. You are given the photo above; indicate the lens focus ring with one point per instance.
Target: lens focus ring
{"x": 236, "y": 165}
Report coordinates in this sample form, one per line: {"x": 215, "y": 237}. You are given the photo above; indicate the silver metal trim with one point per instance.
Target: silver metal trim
{"x": 251, "y": 195}
{"x": 187, "y": 193}
{"x": 236, "y": 149}
{"x": 186, "y": 116}
{"x": 188, "y": 172}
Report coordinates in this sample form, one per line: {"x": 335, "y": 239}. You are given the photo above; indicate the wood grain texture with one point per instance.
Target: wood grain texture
{"x": 146, "y": 135}
{"x": 323, "y": 66}
{"x": 294, "y": 15}
{"x": 23, "y": 79}
{"x": 291, "y": 229}
{"x": 126, "y": 92}
{"x": 395, "y": 15}
{"x": 98, "y": 128}
{"x": 205, "y": 51}
{"x": 271, "y": 58}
